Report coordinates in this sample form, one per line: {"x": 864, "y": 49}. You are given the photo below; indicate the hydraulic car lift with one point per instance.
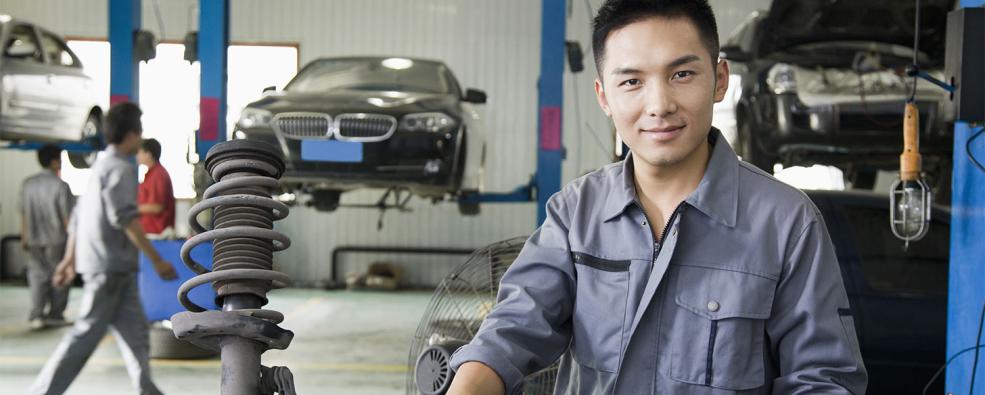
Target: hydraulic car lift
{"x": 242, "y": 373}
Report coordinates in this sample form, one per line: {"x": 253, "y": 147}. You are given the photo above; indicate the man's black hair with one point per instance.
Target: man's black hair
{"x": 47, "y": 154}
{"x": 121, "y": 119}
{"x": 616, "y": 14}
{"x": 153, "y": 147}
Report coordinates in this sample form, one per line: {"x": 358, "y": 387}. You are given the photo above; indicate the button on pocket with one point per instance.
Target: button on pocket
{"x": 600, "y": 309}
{"x": 718, "y": 328}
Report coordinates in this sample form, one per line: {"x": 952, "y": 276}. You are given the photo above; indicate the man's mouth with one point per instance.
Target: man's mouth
{"x": 666, "y": 129}
{"x": 662, "y": 134}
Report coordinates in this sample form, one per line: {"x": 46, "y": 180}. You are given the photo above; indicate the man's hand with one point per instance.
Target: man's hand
{"x": 165, "y": 270}
{"x": 64, "y": 274}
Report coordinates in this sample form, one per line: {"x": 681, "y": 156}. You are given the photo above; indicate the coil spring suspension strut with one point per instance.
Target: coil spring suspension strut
{"x": 244, "y": 241}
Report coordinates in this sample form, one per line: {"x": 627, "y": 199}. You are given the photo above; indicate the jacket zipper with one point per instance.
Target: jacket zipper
{"x": 657, "y": 246}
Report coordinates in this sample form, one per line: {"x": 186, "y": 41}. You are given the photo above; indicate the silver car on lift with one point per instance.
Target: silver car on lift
{"x": 45, "y": 96}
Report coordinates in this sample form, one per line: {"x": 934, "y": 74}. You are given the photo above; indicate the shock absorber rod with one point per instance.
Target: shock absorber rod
{"x": 242, "y": 270}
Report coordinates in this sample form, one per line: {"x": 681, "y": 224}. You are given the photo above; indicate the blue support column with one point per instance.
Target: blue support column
{"x": 213, "y": 40}
{"x": 124, "y": 20}
{"x": 550, "y": 151}
{"x": 966, "y": 280}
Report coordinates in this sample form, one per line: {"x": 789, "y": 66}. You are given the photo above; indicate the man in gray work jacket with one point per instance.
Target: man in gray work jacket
{"x": 104, "y": 235}
{"x": 45, "y": 204}
{"x": 680, "y": 270}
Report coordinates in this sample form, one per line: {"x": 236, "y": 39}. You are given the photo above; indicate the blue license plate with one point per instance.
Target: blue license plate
{"x": 331, "y": 151}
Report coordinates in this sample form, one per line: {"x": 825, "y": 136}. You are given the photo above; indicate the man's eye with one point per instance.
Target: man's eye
{"x": 683, "y": 74}
{"x": 630, "y": 82}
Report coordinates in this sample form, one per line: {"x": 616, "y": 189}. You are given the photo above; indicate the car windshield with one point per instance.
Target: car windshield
{"x": 393, "y": 74}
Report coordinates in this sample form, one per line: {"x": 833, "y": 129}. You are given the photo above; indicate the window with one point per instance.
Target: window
{"x": 20, "y": 43}
{"x": 58, "y": 52}
{"x": 169, "y": 98}
{"x": 886, "y": 267}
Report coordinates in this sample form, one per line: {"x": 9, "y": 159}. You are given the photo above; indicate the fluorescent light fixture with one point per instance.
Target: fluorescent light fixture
{"x": 398, "y": 63}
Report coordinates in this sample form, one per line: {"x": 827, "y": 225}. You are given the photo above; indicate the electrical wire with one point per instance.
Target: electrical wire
{"x": 974, "y": 366}
{"x": 949, "y": 360}
{"x": 916, "y": 50}
{"x": 971, "y": 155}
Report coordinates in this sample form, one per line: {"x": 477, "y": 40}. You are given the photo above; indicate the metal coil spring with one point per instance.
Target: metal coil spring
{"x": 242, "y": 231}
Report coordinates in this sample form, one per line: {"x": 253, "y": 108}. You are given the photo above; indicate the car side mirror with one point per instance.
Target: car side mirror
{"x": 734, "y": 53}
{"x": 22, "y": 50}
{"x": 268, "y": 90}
{"x": 475, "y": 96}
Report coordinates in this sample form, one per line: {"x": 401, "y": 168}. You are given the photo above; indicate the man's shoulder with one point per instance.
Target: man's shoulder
{"x": 761, "y": 191}
{"x": 598, "y": 181}
{"x": 39, "y": 179}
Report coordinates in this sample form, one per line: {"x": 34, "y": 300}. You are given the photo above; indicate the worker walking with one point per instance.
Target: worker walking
{"x": 104, "y": 236}
{"x": 45, "y": 204}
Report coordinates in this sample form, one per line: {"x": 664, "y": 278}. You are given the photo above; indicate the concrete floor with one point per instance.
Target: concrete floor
{"x": 346, "y": 342}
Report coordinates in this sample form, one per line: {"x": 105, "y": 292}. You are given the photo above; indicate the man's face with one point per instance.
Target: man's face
{"x": 144, "y": 157}
{"x": 131, "y": 142}
{"x": 658, "y": 85}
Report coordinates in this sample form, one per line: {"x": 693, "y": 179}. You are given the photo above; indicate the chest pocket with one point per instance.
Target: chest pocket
{"x": 600, "y": 311}
{"x": 719, "y": 328}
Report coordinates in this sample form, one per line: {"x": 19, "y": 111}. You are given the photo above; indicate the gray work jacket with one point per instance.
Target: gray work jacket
{"x": 100, "y": 218}
{"x": 742, "y": 294}
{"x": 46, "y": 203}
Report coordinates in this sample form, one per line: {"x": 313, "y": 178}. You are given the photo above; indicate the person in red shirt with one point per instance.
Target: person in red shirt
{"x": 155, "y": 197}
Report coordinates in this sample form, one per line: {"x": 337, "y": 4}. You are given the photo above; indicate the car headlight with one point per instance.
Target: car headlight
{"x": 427, "y": 122}
{"x": 255, "y": 118}
{"x": 782, "y": 78}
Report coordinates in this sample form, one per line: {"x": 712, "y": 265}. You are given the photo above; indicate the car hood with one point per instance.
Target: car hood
{"x": 794, "y": 22}
{"x": 352, "y": 101}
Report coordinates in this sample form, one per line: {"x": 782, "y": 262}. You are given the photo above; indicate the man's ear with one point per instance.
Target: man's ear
{"x": 721, "y": 80}
{"x": 600, "y": 95}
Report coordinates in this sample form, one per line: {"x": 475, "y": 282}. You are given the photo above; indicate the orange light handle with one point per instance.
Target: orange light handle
{"x": 910, "y": 160}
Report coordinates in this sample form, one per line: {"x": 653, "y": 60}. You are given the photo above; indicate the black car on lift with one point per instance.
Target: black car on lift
{"x": 898, "y": 297}
{"x": 823, "y": 82}
{"x": 372, "y": 122}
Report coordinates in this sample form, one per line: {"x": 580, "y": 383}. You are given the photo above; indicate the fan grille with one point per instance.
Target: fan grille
{"x": 460, "y": 303}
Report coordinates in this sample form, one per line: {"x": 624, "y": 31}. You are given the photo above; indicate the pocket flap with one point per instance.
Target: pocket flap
{"x": 720, "y": 293}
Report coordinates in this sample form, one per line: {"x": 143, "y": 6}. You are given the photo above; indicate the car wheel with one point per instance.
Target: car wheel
{"x": 469, "y": 209}
{"x": 325, "y": 200}
{"x": 92, "y": 138}
{"x": 751, "y": 149}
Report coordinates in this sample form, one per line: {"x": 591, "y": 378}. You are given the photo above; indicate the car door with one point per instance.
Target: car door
{"x": 26, "y": 107}
{"x": 66, "y": 78}
{"x": 902, "y": 294}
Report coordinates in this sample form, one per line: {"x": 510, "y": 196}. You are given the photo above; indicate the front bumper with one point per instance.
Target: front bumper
{"x": 854, "y": 128}
{"x": 406, "y": 159}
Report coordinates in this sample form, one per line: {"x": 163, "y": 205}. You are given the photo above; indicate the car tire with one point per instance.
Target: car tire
{"x": 92, "y": 137}
{"x": 469, "y": 209}
{"x": 325, "y": 200}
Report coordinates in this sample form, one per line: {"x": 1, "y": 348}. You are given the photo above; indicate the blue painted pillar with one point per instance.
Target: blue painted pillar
{"x": 124, "y": 20}
{"x": 213, "y": 40}
{"x": 966, "y": 280}
{"x": 550, "y": 152}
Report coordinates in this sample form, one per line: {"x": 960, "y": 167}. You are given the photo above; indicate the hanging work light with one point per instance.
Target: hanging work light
{"x": 909, "y": 196}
